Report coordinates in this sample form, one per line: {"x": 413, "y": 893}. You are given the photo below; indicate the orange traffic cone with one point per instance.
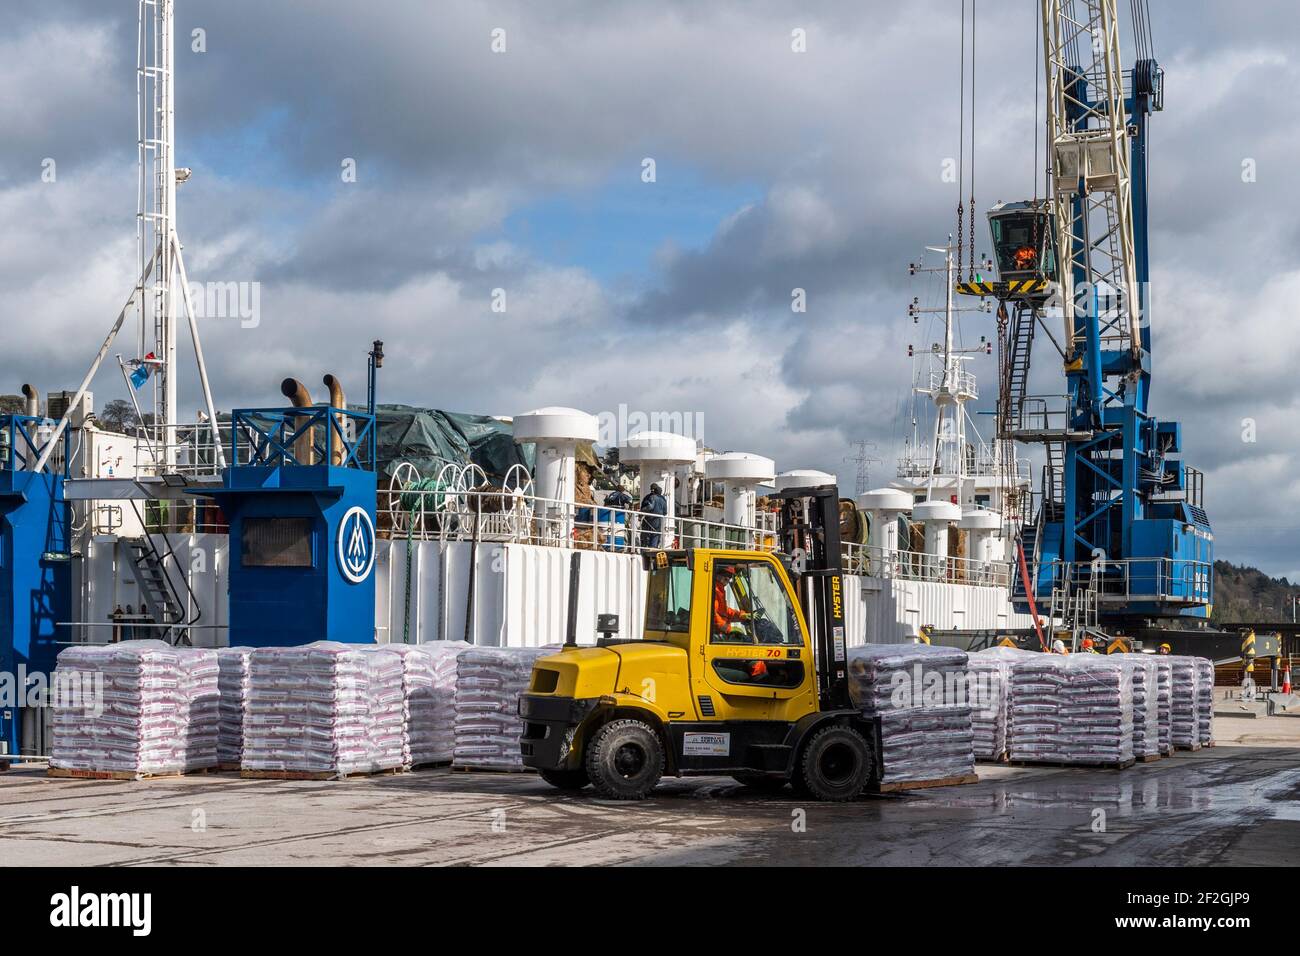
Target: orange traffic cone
{"x": 1286, "y": 677}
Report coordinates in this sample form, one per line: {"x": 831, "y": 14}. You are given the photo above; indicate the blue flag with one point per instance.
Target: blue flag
{"x": 141, "y": 373}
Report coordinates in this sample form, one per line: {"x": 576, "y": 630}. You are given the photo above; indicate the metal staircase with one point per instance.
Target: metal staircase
{"x": 156, "y": 588}
{"x": 1016, "y": 354}
{"x": 1054, "y": 482}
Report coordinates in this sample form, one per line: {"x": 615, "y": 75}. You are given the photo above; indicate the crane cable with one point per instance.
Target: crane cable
{"x": 970, "y": 273}
{"x": 961, "y": 132}
{"x": 966, "y": 237}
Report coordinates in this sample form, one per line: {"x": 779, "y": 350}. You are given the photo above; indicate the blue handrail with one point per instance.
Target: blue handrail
{"x": 270, "y": 435}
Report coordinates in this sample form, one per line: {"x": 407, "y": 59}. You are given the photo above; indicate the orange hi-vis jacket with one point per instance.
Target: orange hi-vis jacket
{"x": 723, "y": 613}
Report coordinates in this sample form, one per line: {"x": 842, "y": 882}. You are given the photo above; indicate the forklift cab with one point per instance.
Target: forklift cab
{"x": 1024, "y": 241}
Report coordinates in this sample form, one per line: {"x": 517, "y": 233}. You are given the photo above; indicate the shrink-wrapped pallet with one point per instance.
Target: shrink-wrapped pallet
{"x": 922, "y": 696}
{"x": 1204, "y": 701}
{"x": 1185, "y": 702}
{"x": 324, "y": 707}
{"x": 432, "y": 714}
{"x": 428, "y": 707}
{"x": 990, "y": 671}
{"x": 232, "y": 684}
{"x": 1164, "y": 701}
{"x": 1146, "y": 708}
{"x": 136, "y": 707}
{"x": 1071, "y": 709}
{"x": 200, "y": 674}
{"x": 489, "y": 681}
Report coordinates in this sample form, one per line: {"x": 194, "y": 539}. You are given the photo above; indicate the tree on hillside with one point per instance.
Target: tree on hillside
{"x": 12, "y": 404}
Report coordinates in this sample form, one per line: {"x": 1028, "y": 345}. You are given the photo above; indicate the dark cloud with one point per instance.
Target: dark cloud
{"x": 846, "y": 143}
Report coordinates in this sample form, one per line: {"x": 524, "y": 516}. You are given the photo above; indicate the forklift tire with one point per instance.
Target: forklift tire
{"x": 570, "y": 780}
{"x": 760, "y": 782}
{"x": 625, "y": 760}
{"x": 836, "y": 764}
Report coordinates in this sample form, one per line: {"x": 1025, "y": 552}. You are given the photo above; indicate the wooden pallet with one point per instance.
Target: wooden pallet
{"x": 122, "y": 774}
{"x": 316, "y": 774}
{"x": 464, "y": 769}
{"x": 1071, "y": 765}
{"x": 1148, "y": 758}
{"x": 1001, "y": 758}
{"x": 957, "y": 781}
{"x": 1193, "y": 747}
{"x": 227, "y": 767}
{"x": 430, "y": 765}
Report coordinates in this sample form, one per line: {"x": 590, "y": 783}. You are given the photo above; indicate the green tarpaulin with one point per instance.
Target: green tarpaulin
{"x": 430, "y": 438}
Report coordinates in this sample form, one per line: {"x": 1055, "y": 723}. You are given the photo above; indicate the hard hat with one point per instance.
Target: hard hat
{"x": 1058, "y": 646}
{"x": 1165, "y": 648}
{"x": 1087, "y": 642}
{"x": 727, "y": 569}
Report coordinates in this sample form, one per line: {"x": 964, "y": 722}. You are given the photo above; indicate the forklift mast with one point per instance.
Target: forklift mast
{"x": 810, "y": 538}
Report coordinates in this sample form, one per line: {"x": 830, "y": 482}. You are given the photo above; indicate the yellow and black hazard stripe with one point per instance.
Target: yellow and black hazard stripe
{"x": 1248, "y": 651}
{"x": 1003, "y": 289}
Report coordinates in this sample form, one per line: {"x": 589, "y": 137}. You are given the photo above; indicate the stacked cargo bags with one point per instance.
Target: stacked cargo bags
{"x": 139, "y": 708}
{"x": 1071, "y": 709}
{"x": 200, "y": 676}
{"x": 324, "y": 708}
{"x": 1146, "y": 707}
{"x": 1164, "y": 699}
{"x": 428, "y": 700}
{"x": 1185, "y": 698}
{"x": 990, "y": 672}
{"x": 489, "y": 681}
{"x": 1204, "y": 701}
{"x": 232, "y": 683}
{"x": 920, "y": 693}
{"x": 386, "y": 700}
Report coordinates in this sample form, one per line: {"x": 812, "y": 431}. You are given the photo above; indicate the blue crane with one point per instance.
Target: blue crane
{"x": 1118, "y": 532}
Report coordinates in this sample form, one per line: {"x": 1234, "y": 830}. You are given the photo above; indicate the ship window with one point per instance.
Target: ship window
{"x": 276, "y": 543}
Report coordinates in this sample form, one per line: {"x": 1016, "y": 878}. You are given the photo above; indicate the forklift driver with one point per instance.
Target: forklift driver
{"x": 728, "y": 621}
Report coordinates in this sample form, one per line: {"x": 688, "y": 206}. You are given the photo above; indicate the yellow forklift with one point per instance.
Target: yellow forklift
{"x": 741, "y": 671}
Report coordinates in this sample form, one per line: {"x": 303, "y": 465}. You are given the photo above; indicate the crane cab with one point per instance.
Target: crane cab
{"x": 1024, "y": 251}
{"x": 729, "y": 678}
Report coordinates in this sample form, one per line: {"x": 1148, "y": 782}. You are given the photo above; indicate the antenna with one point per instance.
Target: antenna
{"x": 163, "y": 285}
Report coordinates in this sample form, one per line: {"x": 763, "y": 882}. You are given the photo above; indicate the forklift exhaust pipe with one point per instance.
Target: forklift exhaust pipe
{"x": 337, "y": 400}
{"x": 571, "y": 627}
{"x": 303, "y": 447}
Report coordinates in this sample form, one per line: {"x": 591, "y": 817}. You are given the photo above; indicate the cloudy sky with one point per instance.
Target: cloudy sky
{"x": 522, "y": 171}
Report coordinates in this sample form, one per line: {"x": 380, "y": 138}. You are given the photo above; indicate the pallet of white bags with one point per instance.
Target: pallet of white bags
{"x": 122, "y": 774}
{"x": 1193, "y": 747}
{"x": 1148, "y": 758}
{"x": 956, "y": 781}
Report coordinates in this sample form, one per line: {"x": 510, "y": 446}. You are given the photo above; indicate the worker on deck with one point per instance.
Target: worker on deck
{"x": 1165, "y": 649}
{"x": 726, "y": 617}
{"x": 1088, "y": 647}
{"x": 653, "y": 506}
{"x": 1058, "y": 646}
